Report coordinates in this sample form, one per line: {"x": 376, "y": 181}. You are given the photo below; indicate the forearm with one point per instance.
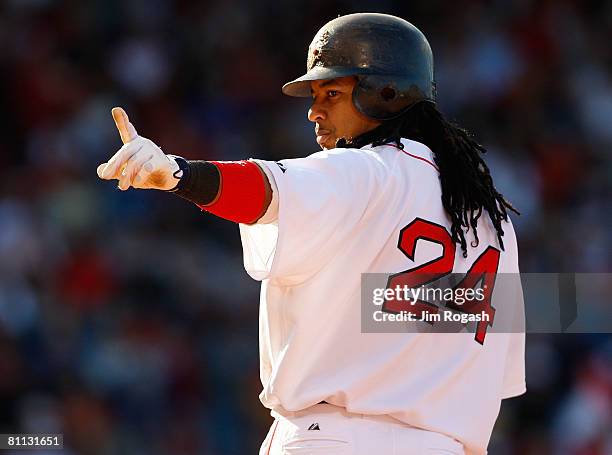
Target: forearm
{"x": 235, "y": 190}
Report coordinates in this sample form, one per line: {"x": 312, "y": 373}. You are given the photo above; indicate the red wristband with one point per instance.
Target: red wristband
{"x": 242, "y": 192}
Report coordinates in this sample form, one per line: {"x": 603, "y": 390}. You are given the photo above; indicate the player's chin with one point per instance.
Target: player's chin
{"x": 326, "y": 141}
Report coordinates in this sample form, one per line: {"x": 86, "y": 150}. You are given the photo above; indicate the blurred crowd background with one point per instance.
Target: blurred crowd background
{"x": 127, "y": 321}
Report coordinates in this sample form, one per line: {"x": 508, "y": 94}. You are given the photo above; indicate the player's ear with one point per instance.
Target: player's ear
{"x": 126, "y": 129}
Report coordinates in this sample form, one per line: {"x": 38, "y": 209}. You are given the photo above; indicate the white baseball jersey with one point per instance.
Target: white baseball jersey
{"x": 345, "y": 212}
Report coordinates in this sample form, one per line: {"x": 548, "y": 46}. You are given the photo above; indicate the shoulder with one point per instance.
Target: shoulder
{"x": 413, "y": 153}
{"x": 381, "y": 158}
{"x": 339, "y": 158}
{"x": 384, "y": 152}
{"x": 390, "y": 155}
{"x": 348, "y": 154}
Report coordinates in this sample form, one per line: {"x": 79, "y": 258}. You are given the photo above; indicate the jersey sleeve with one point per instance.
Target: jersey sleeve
{"x": 321, "y": 199}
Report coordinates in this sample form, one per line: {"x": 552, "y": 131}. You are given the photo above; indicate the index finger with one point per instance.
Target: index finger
{"x": 126, "y": 129}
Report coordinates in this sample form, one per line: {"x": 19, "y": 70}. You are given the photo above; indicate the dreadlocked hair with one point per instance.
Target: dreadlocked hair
{"x": 467, "y": 186}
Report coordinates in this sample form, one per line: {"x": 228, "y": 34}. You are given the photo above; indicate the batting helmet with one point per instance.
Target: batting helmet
{"x": 390, "y": 57}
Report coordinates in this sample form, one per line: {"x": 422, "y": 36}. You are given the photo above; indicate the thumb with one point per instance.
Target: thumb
{"x": 126, "y": 129}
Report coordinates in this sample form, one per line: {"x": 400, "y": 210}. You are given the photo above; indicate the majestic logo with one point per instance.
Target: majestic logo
{"x": 314, "y": 426}
{"x": 282, "y": 166}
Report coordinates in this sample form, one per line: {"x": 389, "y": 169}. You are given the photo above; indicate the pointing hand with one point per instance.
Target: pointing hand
{"x": 139, "y": 163}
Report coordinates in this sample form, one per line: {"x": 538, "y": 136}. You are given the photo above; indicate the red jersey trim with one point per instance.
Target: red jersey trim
{"x": 415, "y": 156}
{"x": 272, "y": 438}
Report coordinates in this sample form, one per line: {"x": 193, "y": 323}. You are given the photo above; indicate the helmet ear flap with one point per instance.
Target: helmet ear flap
{"x": 385, "y": 97}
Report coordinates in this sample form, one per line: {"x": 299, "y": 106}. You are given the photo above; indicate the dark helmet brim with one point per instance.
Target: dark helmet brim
{"x": 300, "y": 87}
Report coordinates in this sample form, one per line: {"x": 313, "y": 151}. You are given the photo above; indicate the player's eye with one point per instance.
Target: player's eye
{"x": 332, "y": 93}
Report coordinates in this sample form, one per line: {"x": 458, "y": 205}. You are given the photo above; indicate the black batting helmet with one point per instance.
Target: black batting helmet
{"x": 391, "y": 58}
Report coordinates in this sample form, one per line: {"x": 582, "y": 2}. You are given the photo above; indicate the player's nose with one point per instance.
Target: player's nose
{"x": 316, "y": 113}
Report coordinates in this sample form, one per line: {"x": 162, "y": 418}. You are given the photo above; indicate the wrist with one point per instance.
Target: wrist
{"x": 180, "y": 172}
{"x": 199, "y": 181}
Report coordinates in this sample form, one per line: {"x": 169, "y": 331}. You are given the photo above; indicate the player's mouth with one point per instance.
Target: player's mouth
{"x": 322, "y": 136}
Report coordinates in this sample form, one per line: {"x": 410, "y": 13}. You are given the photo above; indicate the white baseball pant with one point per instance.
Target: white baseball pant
{"x": 331, "y": 430}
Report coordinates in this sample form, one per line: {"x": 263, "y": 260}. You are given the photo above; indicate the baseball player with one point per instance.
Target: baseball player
{"x": 396, "y": 189}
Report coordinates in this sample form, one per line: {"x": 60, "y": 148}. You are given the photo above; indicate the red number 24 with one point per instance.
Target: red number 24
{"x": 483, "y": 269}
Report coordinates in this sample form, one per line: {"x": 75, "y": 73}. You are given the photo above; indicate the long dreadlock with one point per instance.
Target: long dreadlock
{"x": 467, "y": 186}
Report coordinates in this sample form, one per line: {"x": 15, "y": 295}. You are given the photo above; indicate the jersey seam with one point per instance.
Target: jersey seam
{"x": 415, "y": 156}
